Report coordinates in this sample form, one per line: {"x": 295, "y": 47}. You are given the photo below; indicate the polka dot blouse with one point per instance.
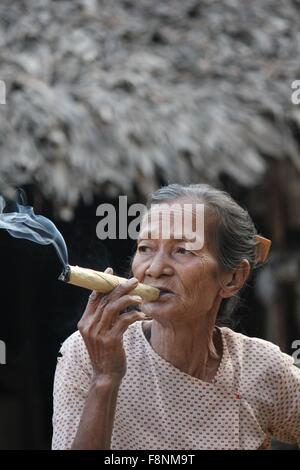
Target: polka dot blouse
{"x": 255, "y": 395}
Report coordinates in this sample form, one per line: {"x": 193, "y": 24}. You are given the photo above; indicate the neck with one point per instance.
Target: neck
{"x": 193, "y": 348}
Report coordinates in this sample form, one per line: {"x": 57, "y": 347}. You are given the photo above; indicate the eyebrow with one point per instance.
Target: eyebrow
{"x": 184, "y": 239}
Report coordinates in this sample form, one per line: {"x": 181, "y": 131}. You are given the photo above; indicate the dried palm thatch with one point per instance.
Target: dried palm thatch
{"x": 118, "y": 97}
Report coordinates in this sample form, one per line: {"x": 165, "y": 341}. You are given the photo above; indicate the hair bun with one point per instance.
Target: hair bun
{"x": 263, "y": 246}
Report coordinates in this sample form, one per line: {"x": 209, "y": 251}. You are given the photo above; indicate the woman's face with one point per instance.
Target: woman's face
{"x": 190, "y": 276}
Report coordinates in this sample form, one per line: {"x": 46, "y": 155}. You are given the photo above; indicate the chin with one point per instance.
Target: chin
{"x": 158, "y": 309}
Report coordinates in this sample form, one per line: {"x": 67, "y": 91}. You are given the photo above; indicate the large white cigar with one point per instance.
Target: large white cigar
{"x": 103, "y": 282}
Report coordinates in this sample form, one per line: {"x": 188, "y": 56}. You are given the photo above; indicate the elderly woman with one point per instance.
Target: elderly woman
{"x": 176, "y": 381}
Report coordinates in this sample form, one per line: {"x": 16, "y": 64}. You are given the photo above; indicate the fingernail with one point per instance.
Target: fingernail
{"x": 93, "y": 295}
{"x": 137, "y": 298}
{"x": 143, "y": 316}
{"x": 133, "y": 280}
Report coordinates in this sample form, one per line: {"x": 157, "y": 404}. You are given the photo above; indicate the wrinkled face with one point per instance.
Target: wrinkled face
{"x": 190, "y": 278}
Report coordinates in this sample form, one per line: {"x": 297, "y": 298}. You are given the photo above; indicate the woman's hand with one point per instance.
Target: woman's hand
{"x": 102, "y": 328}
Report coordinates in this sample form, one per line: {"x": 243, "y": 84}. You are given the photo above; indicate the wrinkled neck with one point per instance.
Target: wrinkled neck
{"x": 194, "y": 348}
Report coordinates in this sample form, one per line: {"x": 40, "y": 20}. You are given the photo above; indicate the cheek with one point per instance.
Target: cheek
{"x": 137, "y": 266}
{"x": 202, "y": 280}
{"x": 134, "y": 265}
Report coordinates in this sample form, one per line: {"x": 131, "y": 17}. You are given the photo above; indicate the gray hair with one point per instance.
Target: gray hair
{"x": 234, "y": 234}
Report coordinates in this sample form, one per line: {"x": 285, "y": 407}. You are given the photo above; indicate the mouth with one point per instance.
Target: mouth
{"x": 164, "y": 291}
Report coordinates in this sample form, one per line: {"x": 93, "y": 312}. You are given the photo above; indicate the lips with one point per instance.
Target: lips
{"x": 164, "y": 290}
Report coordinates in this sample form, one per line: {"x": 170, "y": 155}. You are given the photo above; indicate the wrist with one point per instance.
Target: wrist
{"x": 106, "y": 381}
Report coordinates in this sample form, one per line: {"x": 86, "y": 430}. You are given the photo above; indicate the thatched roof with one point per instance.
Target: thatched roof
{"x": 120, "y": 96}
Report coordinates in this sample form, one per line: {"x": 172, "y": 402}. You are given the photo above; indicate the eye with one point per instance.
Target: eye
{"x": 183, "y": 251}
{"x": 143, "y": 248}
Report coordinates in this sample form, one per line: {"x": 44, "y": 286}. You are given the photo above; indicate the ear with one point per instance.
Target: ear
{"x": 235, "y": 280}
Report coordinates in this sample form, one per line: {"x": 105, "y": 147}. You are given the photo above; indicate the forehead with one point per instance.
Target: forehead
{"x": 178, "y": 219}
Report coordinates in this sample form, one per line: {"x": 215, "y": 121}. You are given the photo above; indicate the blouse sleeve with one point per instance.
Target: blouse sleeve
{"x": 71, "y": 386}
{"x": 285, "y": 422}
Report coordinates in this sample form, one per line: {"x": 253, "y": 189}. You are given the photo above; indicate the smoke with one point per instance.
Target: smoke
{"x": 24, "y": 223}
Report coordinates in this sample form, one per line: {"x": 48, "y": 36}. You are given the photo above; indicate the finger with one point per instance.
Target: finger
{"x": 112, "y": 310}
{"x": 109, "y": 312}
{"x": 97, "y": 295}
{"x": 94, "y": 298}
{"x": 124, "y": 321}
{"x": 123, "y": 288}
{"x": 119, "y": 290}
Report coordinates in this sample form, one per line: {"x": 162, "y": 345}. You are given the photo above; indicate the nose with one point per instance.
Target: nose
{"x": 159, "y": 266}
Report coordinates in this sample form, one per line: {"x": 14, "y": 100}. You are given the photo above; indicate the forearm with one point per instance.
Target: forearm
{"x": 97, "y": 420}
